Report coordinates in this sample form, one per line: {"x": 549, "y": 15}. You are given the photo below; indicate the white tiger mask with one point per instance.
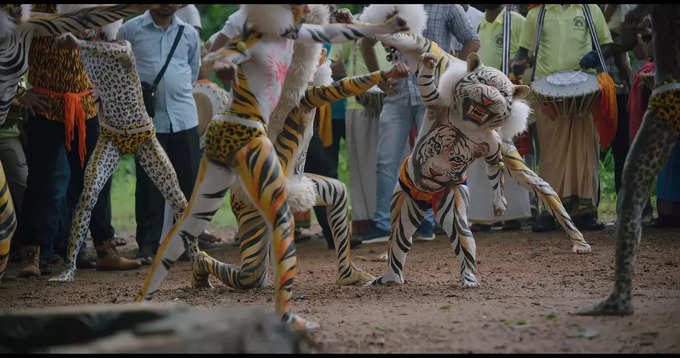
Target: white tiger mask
{"x": 488, "y": 100}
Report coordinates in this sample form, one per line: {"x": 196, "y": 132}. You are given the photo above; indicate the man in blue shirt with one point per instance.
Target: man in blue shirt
{"x": 152, "y": 35}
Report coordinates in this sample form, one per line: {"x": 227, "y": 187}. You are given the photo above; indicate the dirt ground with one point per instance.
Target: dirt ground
{"x": 530, "y": 283}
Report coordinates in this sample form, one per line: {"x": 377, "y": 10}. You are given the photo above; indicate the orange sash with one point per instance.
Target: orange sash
{"x": 73, "y": 115}
{"x": 424, "y": 199}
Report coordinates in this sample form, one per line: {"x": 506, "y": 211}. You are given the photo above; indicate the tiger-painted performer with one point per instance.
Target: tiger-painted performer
{"x": 304, "y": 190}
{"x": 237, "y": 150}
{"x": 465, "y": 105}
{"x": 17, "y": 31}
{"x": 126, "y": 128}
{"x": 649, "y": 152}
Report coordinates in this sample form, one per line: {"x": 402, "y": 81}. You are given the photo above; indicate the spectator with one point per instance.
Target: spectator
{"x": 620, "y": 69}
{"x": 638, "y": 99}
{"x": 232, "y": 28}
{"x": 176, "y": 120}
{"x": 361, "y": 132}
{"x": 190, "y": 15}
{"x": 55, "y": 171}
{"x": 568, "y": 149}
{"x": 458, "y": 48}
{"x": 490, "y": 32}
{"x": 403, "y": 108}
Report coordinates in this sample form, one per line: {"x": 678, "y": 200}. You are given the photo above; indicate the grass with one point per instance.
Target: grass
{"x": 123, "y": 192}
{"x": 123, "y": 199}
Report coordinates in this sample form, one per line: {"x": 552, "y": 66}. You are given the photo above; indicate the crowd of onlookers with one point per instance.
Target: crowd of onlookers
{"x": 44, "y": 164}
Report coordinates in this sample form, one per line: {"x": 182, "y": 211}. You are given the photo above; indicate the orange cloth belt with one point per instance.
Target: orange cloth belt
{"x": 424, "y": 199}
{"x": 73, "y": 115}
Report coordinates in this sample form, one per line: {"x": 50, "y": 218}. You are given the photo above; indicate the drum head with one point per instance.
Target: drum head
{"x": 566, "y": 84}
{"x": 210, "y": 100}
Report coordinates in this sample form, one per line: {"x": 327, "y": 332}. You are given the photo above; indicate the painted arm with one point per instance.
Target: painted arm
{"x": 429, "y": 92}
{"x": 494, "y": 171}
{"x": 338, "y": 33}
{"x": 317, "y": 96}
{"x": 89, "y": 18}
{"x": 289, "y": 139}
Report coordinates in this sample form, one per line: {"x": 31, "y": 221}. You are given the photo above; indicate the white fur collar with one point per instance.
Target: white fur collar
{"x": 414, "y": 15}
{"x": 273, "y": 19}
{"x": 449, "y": 79}
{"x": 517, "y": 123}
{"x": 323, "y": 75}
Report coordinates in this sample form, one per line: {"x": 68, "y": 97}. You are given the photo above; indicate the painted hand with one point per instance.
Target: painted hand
{"x": 67, "y": 41}
{"x": 34, "y": 102}
{"x": 343, "y": 16}
{"x": 499, "y": 204}
{"x": 226, "y": 72}
{"x": 399, "y": 70}
{"x": 396, "y": 24}
{"x": 429, "y": 59}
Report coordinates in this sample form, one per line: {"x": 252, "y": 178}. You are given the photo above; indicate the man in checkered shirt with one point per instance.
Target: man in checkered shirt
{"x": 402, "y": 109}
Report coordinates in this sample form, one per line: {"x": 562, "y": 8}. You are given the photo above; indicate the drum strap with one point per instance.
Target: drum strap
{"x": 539, "y": 28}
{"x": 593, "y": 36}
{"x": 506, "y": 42}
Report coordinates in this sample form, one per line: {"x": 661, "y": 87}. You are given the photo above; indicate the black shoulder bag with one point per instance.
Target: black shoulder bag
{"x": 149, "y": 90}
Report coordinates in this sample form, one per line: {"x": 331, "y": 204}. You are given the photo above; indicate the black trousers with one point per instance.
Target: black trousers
{"x": 324, "y": 161}
{"x": 53, "y": 186}
{"x": 184, "y": 153}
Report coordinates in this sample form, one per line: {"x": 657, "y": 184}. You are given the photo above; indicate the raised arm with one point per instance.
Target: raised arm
{"x": 429, "y": 92}
{"x": 338, "y": 33}
{"x": 318, "y": 96}
{"x": 89, "y": 18}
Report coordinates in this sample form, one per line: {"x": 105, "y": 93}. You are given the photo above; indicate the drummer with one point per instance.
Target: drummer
{"x": 490, "y": 32}
{"x": 568, "y": 149}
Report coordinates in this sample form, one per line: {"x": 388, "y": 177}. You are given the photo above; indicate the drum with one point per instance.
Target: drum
{"x": 210, "y": 100}
{"x": 567, "y": 93}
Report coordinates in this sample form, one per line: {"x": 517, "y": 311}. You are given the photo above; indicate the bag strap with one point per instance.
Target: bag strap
{"x": 539, "y": 28}
{"x": 172, "y": 52}
{"x": 593, "y": 36}
{"x": 505, "y": 59}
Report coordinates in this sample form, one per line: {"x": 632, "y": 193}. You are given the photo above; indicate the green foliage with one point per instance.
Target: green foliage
{"x": 123, "y": 199}
{"x": 213, "y": 17}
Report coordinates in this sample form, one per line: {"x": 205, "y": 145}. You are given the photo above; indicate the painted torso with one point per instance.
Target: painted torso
{"x": 117, "y": 81}
{"x": 266, "y": 70}
{"x": 443, "y": 152}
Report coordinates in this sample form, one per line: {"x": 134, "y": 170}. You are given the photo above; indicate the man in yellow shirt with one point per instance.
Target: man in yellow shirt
{"x": 568, "y": 149}
{"x": 490, "y": 32}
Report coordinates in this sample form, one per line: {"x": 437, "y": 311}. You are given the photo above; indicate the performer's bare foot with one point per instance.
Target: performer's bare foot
{"x": 614, "y": 305}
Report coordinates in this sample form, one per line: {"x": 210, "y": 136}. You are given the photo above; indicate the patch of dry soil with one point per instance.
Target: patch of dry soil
{"x": 530, "y": 283}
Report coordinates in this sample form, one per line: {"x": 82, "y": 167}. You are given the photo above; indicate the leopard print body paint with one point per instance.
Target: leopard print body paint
{"x": 648, "y": 153}
{"x": 110, "y": 66}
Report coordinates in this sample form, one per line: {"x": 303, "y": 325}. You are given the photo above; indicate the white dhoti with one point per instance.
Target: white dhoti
{"x": 361, "y": 136}
{"x": 481, "y": 198}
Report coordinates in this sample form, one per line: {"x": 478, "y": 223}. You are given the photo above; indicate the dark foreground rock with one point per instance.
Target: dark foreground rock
{"x": 146, "y": 328}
